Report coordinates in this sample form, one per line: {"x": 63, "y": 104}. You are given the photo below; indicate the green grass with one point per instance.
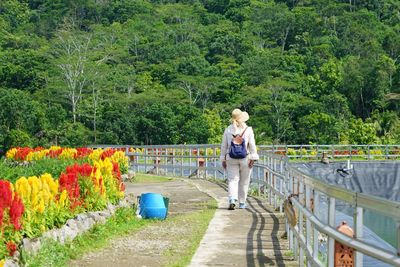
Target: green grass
{"x": 199, "y": 222}
{"x": 54, "y": 254}
{"x": 147, "y": 178}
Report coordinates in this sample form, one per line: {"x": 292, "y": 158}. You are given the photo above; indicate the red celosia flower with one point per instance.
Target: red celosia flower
{"x": 11, "y": 247}
{"x": 83, "y": 152}
{"x": 16, "y": 211}
{"x": 116, "y": 171}
{"x": 86, "y": 170}
{"x": 39, "y": 148}
{"x": 5, "y": 194}
{"x": 107, "y": 153}
{"x": 101, "y": 185}
{"x": 22, "y": 152}
{"x": 54, "y": 153}
{"x": 70, "y": 183}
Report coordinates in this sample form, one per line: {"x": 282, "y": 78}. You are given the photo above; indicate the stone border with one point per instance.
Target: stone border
{"x": 82, "y": 223}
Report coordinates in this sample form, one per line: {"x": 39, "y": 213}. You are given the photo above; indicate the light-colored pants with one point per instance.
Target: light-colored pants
{"x": 238, "y": 173}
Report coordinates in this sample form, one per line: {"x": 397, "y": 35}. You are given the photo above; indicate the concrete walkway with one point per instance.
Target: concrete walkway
{"x": 249, "y": 237}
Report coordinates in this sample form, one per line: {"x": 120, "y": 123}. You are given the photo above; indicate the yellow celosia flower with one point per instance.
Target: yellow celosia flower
{"x": 36, "y": 186}
{"x": 11, "y": 153}
{"x": 40, "y": 207}
{"x": 2, "y": 262}
{"x": 62, "y": 202}
{"x": 45, "y": 195}
{"x": 38, "y": 155}
{"x": 121, "y": 159}
{"x": 68, "y": 153}
{"x": 30, "y": 156}
{"x": 51, "y": 184}
{"x": 54, "y": 148}
{"x": 23, "y": 189}
{"x": 95, "y": 155}
{"x": 105, "y": 167}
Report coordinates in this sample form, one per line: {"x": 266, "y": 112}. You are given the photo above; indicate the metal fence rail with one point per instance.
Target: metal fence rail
{"x": 275, "y": 177}
{"x": 303, "y": 152}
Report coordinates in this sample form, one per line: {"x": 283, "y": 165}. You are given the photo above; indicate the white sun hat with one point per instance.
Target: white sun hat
{"x": 239, "y": 116}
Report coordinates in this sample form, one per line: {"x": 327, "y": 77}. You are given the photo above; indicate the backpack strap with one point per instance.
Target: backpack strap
{"x": 243, "y": 132}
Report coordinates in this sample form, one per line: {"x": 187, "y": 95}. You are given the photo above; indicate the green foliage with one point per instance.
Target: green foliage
{"x": 149, "y": 72}
{"x": 362, "y": 133}
{"x": 317, "y": 128}
{"x": 10, "y": 172}
{"x": 75, "y": 134}
{"x": 18, "y": 138}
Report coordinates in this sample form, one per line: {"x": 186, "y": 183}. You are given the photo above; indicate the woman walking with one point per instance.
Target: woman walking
{"x": 238, "y": 154}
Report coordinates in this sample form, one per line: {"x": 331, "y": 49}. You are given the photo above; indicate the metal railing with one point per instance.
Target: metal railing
{"x": 305, "y": 152}
{"x": 304, "y": 237}
{"x": 339, "y": 152}
{"x": 274, "y": 176}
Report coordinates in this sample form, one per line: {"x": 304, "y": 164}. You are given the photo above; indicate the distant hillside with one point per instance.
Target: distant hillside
{"x": 164, "y": 72}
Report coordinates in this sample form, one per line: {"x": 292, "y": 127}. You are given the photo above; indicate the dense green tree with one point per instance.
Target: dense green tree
{"x": 18, "y": 114}
{"x": 362, "y": 133}
{"x": 319, "y": 128}
{"x": 165, "y": 72}
{"x": 23, "y": 69}
{"x": 157, "y": 125}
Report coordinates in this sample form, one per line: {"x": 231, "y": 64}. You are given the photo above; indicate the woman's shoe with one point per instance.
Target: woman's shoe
{"x": 242, "y": 205}
{"x": 231, "y": 204}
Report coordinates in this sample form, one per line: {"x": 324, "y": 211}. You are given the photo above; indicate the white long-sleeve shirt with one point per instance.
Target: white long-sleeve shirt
{"x": 248, "y": 138}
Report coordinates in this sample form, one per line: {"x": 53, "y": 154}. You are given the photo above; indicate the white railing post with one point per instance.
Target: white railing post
{"x": 358, "y": 233}
{"x": 156, "y": 161}
{"x": 281, "y": 191}
{"x": 398, "y": 237}
{"x": 270, "y": 188}
{"x": 315, "y": 232}
{"x": 173, "y": 159}
{"x": 300, "y": 223}
{"x": 182, "y": 157}
{"x": 215, "y": 162}
{"x": 190, "y": 159}
{"x": 387, "y": 152}
{"x": 369, "y": 152}
{"x": 145, "y": 159}
{"x": 308, "y": 223}
{"x": 198, "y": 162}
{"x": 331, "y": 222}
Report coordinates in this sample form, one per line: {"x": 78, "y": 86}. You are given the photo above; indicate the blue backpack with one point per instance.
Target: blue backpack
{"x": 238, "y": 149}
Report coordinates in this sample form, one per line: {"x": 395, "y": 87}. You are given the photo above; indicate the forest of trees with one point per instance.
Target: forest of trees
{"x": 76, "y": 72}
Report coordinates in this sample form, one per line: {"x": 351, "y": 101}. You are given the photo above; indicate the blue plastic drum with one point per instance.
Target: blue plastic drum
{"x": 153, "y": 206}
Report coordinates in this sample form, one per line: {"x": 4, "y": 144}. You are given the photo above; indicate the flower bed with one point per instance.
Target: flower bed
{"x": 35, "y": 204}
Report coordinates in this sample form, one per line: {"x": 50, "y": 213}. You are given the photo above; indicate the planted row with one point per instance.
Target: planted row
{"x": 36, "y": 204}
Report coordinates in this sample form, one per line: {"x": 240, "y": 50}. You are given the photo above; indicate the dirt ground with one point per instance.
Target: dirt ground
{"x": 157, "y": 244}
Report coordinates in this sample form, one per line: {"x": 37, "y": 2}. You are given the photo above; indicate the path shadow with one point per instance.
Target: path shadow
{"x": 260, "y": 259}
{"x": 256, "y": 256}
